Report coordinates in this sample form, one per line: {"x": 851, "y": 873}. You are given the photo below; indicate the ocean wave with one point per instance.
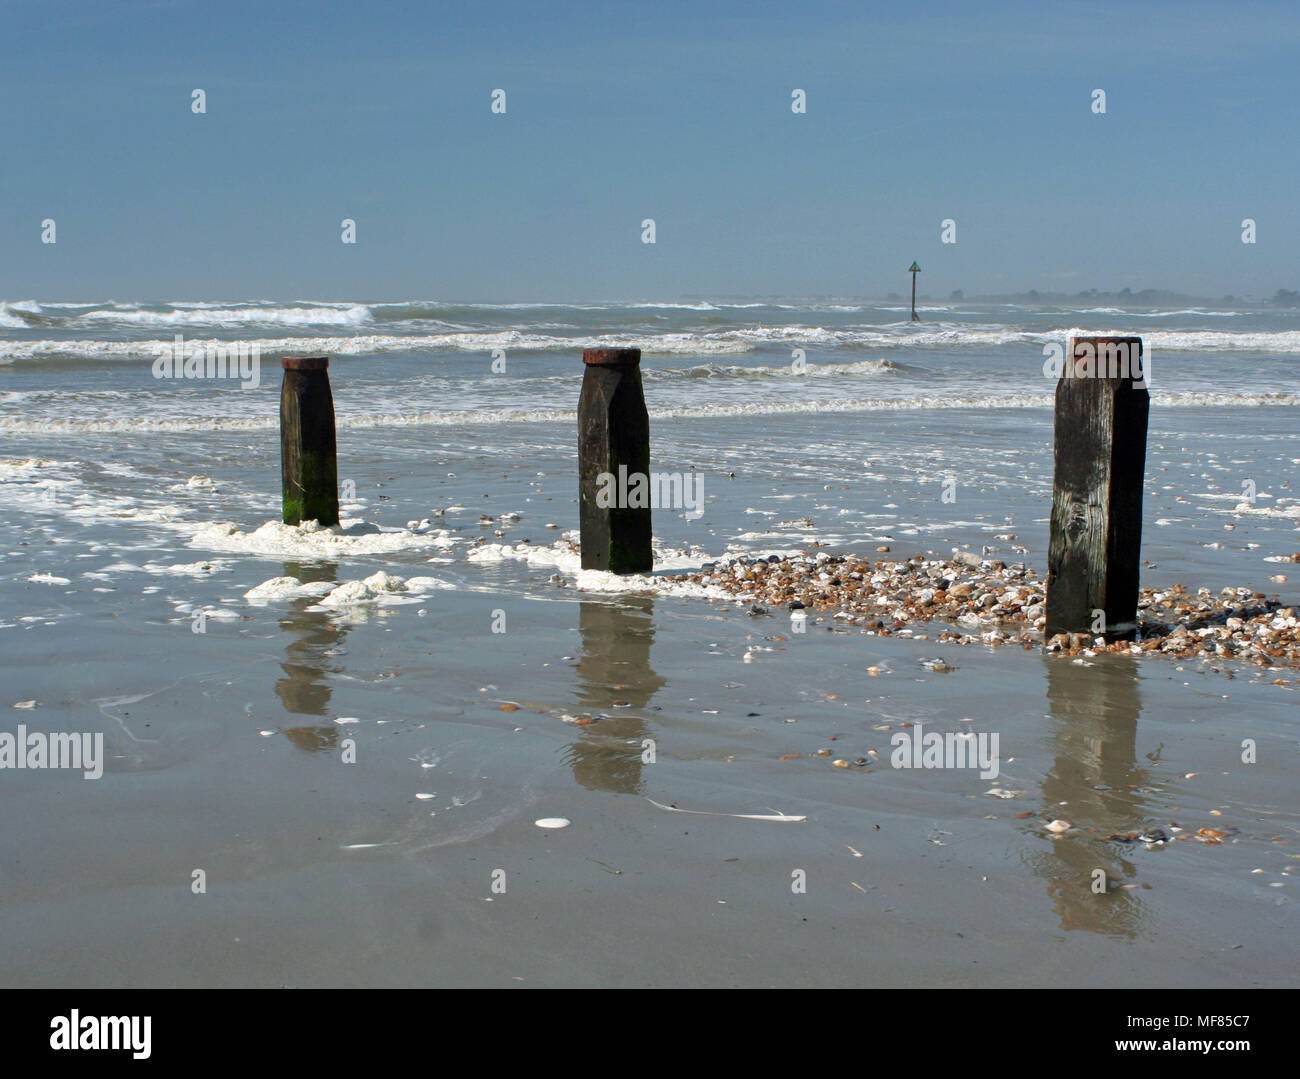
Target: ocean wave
{"x": 682, "y": 343}
{"x": 22, "y": 315}
{"x": 455, "y": 331}
{"x": 28, "y": 314}
{"x": 200, "y": 315}
{"x": 777, "y": 406}
{"x": 1199, "y": 340}
{"x": 814, "y": 370}
{"x": 373, "y": 344}
{"x": 1197, "y": 312}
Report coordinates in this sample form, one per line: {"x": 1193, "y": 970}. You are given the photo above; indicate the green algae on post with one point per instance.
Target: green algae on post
{"x": 308, "y": 456}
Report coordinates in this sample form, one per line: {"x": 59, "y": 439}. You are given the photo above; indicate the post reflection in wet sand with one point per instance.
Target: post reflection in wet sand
{"x": 614, "y": 667}
{"x": 1094, "y": 713}
{"x": 304, "y": 690}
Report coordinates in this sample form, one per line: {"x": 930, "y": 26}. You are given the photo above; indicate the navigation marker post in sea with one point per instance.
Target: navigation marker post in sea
{"x": 914, "y": 269}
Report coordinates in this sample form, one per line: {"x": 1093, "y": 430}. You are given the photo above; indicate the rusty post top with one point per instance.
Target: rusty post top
{"x": 611, "y": 357}
{"x": 305, "y": 363}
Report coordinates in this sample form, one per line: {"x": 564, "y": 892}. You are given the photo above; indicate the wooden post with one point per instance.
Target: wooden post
{"x": 613, "y": 450}
{"x": 308, "y": 457}
{"x": 914, "y": 269}
{"x": 1096, "y": 533}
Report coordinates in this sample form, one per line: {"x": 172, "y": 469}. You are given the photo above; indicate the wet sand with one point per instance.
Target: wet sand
{"x": 325, "y": 873}
{"x": 226, "y": 750}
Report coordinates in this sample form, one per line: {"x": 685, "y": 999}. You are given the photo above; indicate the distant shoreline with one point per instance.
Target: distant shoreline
{"x": 1123, "y": 298}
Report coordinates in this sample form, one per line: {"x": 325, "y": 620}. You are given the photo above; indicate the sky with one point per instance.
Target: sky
{"x": 615, "y": 113}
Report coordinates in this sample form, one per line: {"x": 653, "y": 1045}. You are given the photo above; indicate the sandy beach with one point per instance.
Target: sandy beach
{"x": 382, "y": 872}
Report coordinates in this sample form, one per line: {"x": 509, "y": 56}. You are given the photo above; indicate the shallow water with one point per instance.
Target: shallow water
{"x": 129, "y": 509}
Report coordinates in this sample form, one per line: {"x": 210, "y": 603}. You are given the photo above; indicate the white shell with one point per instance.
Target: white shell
{"x": 1059, "y": 826}
{"x": 553, "y": 822}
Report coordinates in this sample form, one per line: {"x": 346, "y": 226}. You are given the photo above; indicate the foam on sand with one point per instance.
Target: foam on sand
{"x": 284, "y": 589}
{"x": 311, "y": 541}
{"x": 564, "y": 557}
{"x": 48, "y": 578}
{"x": 380, "y": 587}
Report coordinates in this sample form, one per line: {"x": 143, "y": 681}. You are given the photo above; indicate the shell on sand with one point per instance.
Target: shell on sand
{"x": 553, "y": 822}
{"x": 985, "y": 601}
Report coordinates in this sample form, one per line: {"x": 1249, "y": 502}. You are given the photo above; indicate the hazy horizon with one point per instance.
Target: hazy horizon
{"x": 1047, "y": 297}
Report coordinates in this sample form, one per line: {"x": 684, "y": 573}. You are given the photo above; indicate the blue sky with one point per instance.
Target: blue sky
{"x": 680, "y": 112}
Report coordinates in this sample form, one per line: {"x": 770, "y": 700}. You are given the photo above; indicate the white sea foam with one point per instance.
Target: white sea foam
{"x": 564, "y": 557}
{"x": 1196, "y": 312}
{"x": 878, "y": 366}
{"x": 1286, "y": 508}
{"x": 23, "y": 468}
{"x": 352, "y": 315}
{"x": 561, "y": 555}
{"x": 351, "y": 600}
{"x": 720, "y": 342}
{"x": 310, "y": 540}
{"x": 782, "y": 406}
{"x": 281, "y": 589}
{"x": 376, "y": 586}
{"x": 205, "y": 568}
{"x": 374, "y": 344}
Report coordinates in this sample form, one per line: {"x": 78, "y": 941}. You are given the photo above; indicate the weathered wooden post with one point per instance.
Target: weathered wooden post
{"x": 308, "y": 463}
{"x": 1096, "y": 533}
{"x": 614, "y": 463}
{"x": 914, "y": 269}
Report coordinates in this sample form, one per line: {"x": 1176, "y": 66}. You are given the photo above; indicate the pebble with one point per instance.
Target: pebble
{"x": 985, "y": 601}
